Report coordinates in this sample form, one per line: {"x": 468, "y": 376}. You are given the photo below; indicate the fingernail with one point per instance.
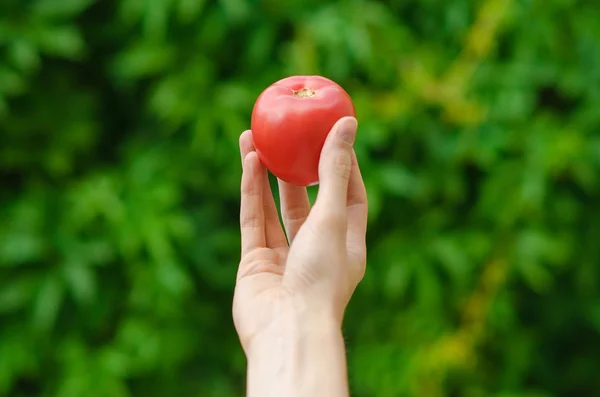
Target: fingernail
{"x": 347, "y": 130}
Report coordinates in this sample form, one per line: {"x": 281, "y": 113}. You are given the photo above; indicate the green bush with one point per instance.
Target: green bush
{"x": 119, "y": 175}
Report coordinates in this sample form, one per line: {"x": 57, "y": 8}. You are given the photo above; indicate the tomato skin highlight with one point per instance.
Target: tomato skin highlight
{"x": 290, "y": 122}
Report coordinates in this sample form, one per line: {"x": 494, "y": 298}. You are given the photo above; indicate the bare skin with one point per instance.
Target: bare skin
{"x": 294, "y": 282}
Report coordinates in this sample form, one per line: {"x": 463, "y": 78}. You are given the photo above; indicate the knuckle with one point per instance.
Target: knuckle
{"x": 331, "y": 219}
{"x": 250, "y": 190}
{"x": 360, "y": 274}
{"x": 354, "y": 197}
{"x": 296, "y": 212}
{"x": 250, "y": 220}
{"x": 357, "y": 254}
{"x": 342, "y": 164}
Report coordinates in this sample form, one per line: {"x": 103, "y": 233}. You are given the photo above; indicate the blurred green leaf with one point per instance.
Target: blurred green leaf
{"x": 17, "y": 294}
{"x": 142, "y": 60}
{"x": 47, "y": 303}
{"x": 24, "y": 55}
{"x": 398, "y": 180}
{"x": 65, "y": 41}
{"x": 60, "y": 9}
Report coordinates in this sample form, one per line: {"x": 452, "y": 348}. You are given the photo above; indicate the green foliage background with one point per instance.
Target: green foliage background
{"x": 119, "y": 176}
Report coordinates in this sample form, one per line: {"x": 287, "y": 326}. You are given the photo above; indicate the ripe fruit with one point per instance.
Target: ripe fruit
{"x": 290, "y": 122}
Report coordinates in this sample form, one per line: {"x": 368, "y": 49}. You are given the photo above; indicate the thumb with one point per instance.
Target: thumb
{"x": 335, "y": 165}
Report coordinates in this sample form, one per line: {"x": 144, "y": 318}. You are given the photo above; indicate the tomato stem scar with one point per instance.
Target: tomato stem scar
{"x": 304, "y": 93}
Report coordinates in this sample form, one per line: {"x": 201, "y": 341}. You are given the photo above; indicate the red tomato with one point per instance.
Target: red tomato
{"x": 290, "y": 122}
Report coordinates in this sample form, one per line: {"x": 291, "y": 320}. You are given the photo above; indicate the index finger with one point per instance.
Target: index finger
{"x": 252, "y": 216}
{"x": 275, "y": 237}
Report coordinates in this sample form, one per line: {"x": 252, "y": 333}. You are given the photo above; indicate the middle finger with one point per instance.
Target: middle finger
{"x": 295, "y": 207}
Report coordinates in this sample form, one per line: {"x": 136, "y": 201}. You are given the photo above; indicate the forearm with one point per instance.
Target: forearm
{"x": 299, "y": 358}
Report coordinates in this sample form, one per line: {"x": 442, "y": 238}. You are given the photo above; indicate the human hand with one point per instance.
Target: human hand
{"x": 314, "y": 276}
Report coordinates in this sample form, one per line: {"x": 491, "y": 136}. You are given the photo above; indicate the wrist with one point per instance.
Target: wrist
{"x": 296, "y": 322}
{"x": 302, "y": 354}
